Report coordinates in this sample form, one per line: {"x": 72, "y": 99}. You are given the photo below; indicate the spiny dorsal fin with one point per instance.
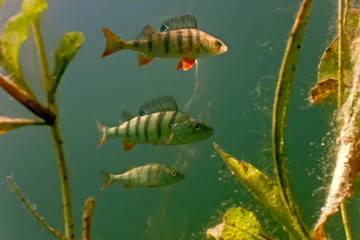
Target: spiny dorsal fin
{"x": 146, "y": 32}
{"x": 126, "y": 116}
{"x": 186, "y": 21}
{"x": 158, "y": 104}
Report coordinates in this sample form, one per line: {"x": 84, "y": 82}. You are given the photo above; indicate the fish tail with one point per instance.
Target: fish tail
{"x": 103, "y": 133}
{"x": 113, "y": 42}
{"x": 107, "y": 178}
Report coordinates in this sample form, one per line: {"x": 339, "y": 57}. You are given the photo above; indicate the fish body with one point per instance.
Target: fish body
{"x": 160, "y": 123}
{"x": 178, "y": 38}
{"x": 148, "y": 175}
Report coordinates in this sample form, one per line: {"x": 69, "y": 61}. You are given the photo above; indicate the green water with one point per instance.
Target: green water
{"x": 235, "y": 96}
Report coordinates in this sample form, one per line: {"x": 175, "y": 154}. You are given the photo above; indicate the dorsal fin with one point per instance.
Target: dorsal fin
{"x": 126, "y": 116}
{"x": 145, "y": 32}
{"x": 186, "y": 21}
{"x": 158, "y": 104}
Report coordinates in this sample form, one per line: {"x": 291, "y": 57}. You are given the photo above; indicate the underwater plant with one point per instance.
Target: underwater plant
{"x": 336, "y": 70}
{"x": 338, "y": 67}
{"x": 14, "y": 34}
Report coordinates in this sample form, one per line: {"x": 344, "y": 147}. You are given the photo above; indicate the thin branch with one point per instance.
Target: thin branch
{"x": 342, "y": 16}
{"x": 341, "y": 52}
{"x": 32, "y": 211}
{"x": 64, "y": 182}
{"x": 346, "y": 222}
{"x": 88, "y": 210}
{"x": 27, "y": 100}
{"x": 41, "y": 52}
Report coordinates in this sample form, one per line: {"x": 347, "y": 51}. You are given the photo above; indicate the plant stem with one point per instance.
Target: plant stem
{"x": 33, "y": 212}
{"x": 64, "y": 182}
{"x": 88, "y": 210}
{"x": 27, "y": 100}
{"x": 340, "y": 53}
{"x": 282, "y": 98}
{"x": 346, "y": 222}
{"x": 41, "y": 52}
{"x": 342, "y": 12}
{"x": 58, "y": 142}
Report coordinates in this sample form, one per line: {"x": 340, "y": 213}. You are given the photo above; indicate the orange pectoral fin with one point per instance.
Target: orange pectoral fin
{"x": 127, "y": 145}
{"x": 144, "y": 59}
{"x": 185, "y": 63}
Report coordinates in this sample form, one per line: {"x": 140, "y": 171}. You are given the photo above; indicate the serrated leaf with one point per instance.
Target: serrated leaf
{"x": 264, "y": 190}
{"x": 241, "y": 224}
{"x": 323, "y": 89}
{"x": 69, "y": 45}
{"x": 8, "y": 124}
{"x": 14, "y": 34}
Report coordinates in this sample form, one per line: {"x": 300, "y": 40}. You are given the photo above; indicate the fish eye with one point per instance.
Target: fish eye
{"x": 196, "y": 127}
{"x": 173, "y": 173}
{"x": 218, "y": 44}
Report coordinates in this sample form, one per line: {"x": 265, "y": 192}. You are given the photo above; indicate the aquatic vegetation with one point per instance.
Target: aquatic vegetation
{"x": 338, "y": 65}
{"x": 338, "y": 72}
{"x": 13, "y": 35}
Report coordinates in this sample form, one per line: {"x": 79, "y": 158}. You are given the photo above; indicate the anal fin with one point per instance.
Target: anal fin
{"x": 127, "y": 186}
{"x": 144, "y": 59}
{"x": 185, "y": 63}
{"x": 128, "y": 145}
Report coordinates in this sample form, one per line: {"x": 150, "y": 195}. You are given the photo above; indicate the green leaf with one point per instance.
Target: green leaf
{"x": 69, "y": 45}
{"x": 8, "y": 124}
{"x": 264, "y": 190}
{"x": 14, "y": 34}
{"x": 241, "y": 224}
{"x": 329, "y": 62}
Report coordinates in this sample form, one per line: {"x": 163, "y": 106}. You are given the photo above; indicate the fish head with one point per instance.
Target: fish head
{"x": 217, "y": 47}
{"x": 171, "y": 176}
{"x": 212, "y": 46}
{"x": 191, "y": 130}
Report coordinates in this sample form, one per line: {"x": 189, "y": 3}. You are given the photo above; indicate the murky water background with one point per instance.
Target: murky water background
{"x": 235, "y": 96}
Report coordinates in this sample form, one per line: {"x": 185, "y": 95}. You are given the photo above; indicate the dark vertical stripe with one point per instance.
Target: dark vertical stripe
{"x": 180, "y": 41}
{"x": 150, "y": 43}
{"x": 146, "y": 127}
{"x": 127, "y": 132}
{"x": 190, "y": 39}
{"x": 159, "y": 123}
{"x": 117, "y": 130}
{"x": 173, "y": 117}
{"x": 137, "y": 127}
{"x": 167, "y": 42}
{"x": 136, "y": 43}
{"x": 197, "y": 36}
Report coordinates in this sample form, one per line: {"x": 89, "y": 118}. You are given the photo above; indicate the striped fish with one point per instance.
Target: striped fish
{"x": 178, "y": 38}
{"x": 159, "y": 122}
{"x": 148, "y": 175}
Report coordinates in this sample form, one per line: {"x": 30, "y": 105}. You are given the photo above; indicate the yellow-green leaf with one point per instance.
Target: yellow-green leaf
{"x": 241, "y": 224}
{"x": 264, "y": 190}
{"x": 8, "y": 124}
{"x": 69, "y": 45}
{"x": 14, "y": 34}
